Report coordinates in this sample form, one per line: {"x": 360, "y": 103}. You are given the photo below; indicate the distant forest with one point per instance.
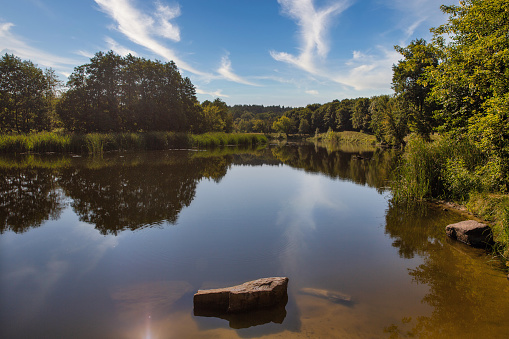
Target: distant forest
{"x": 112, "y": 93}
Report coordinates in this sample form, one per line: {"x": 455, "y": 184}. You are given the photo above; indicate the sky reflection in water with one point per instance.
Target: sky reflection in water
{"x": 125, "y": 241}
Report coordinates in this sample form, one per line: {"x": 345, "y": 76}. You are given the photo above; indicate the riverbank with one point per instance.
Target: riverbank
{"x": 457, "y": 171}
{"x": 97, "y": 143}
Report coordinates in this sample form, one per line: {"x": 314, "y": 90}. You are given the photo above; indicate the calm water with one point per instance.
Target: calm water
{"x": 116, "y": 247}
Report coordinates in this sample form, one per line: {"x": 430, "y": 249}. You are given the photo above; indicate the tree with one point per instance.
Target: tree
{"x": 472, "y": 77}
{"x": 27, "y": 95}
{"x": 283, "y": 125}
{"x": 304, "y": 127}
{"x": 409, "y": 82}
{"x": 361, "y": 118}
{"x": 113, "y": 93}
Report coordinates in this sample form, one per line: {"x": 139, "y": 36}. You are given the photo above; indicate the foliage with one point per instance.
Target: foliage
{"x": 409, "y": 83}
{"x": 215, "y": 117}
{"x": 27, "y": 96}
{"x": 445, "y": 168}
{"x": 114, "y": 93}
{"x": 283, "y": 125}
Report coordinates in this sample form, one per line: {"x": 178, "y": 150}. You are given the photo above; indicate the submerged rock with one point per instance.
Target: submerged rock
{"x": 252, "y": 295}
{"x": 470, "y": 232}
{"x": 334, "y": 296}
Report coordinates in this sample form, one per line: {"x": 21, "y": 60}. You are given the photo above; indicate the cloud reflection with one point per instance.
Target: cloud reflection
{"x": 298, "y": 216}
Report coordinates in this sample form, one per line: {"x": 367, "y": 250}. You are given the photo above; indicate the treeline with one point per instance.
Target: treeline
{"x": 109, "y": 94}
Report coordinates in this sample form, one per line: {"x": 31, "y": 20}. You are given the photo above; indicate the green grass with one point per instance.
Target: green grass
{"x": 224, "y": 139}
{"x": 97, "y": 143}
{"x": 348, "y": 137}
{"x": 493, "y": 208}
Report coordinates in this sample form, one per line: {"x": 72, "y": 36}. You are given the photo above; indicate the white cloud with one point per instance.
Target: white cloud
{"x": 416, "y": 13}
{"x": 11, "y": 43}
{"x": 166, "y": 29}
{"x": 369, "y": 71}
{"x": 215, "y": 94}
{"x": 141, "y": 28}
{"x": 227, "y": 72}
{"x": 312, "y": 92}
{"x": 117, "y": 48}
{"x": 85, "y": 54}
{"x": 313, "y": 28}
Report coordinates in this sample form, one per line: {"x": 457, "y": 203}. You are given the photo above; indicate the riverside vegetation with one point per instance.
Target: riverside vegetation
{"x": 449, "y": 112}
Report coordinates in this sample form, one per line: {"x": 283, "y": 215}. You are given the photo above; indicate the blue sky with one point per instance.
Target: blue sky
{"x": 270, "y": 52}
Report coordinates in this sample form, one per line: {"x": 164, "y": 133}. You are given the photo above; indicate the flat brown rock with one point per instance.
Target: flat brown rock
{"x": 470, "y": 232}
{"x": 252, "y": 295}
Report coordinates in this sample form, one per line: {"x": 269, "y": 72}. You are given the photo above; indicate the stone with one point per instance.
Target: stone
{"x": 252, "y": 295}
{"x": 470, "y": 232}
{"x": 333, "y": 296}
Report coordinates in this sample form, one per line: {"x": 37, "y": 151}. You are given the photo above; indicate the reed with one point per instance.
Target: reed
{"x": 444, "y": 168}
{"x": 223, "y": 139}
{"x": 97, "y": 143}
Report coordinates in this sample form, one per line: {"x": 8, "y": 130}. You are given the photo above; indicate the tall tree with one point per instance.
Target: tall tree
{"x": 409, "y": 82}
{"x": 27, "y": 94}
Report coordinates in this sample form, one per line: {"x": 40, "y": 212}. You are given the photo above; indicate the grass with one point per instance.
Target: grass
{"x": 97, "y": 143}
{"x": 493, "y": 208}
{"x": 348, "y": 137}
{"x": 224, "y": 139}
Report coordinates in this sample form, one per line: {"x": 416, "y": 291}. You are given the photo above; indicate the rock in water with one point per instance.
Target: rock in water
{"x": 470, "y": 232}
{"x": 336, "y": 297}
{"x": 252, "y": 295}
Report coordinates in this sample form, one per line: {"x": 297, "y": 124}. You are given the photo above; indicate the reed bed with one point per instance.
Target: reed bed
{"x": 225, "y": 139}
{"x": 97, "y": 143}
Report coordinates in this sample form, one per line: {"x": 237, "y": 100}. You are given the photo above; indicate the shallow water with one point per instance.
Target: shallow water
{"x": 115, "y": 247}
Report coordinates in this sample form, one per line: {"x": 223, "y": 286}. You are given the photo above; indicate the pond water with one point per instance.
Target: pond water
{"x": 116, "y": 246}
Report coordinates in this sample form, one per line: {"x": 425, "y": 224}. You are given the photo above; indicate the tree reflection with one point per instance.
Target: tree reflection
{"x": 465, "y": 291}
{"x": 119, "y": 192}
{"x": 362, "y": 166}
{"x": 132, "y": 195}
{"x": 28, "y": 197}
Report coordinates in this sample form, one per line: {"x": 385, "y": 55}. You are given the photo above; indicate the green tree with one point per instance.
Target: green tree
{"x": 472, "y": 77}
{"x": 283, "y": 125}
{"x": 409, "y": 82}
{"x": 304, "y": 127}
{"x": 361, "y": 118}
{"x": 27, "y": 96}
{"x": 113, "y": 93}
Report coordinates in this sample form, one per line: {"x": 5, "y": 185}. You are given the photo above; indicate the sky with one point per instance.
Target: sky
{"x": 265, "y": 52}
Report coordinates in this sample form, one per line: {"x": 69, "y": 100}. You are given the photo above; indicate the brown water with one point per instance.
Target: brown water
{"x": 115, "y": 247}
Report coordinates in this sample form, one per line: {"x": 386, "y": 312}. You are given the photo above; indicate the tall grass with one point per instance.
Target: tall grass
{"x": 347, "y": 137}
{"x": 97, "y": 143}
{"x": 223, "y": 139}
{"x": 444, "y": 168}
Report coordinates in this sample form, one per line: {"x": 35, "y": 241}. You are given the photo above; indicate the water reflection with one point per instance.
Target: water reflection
{"x": 362, "y": 165}
{"x": 28, "y": 197}
{"x": 129, "y": 191}
{"x": 467, "y": 291}
{"x": 327, "y": 232}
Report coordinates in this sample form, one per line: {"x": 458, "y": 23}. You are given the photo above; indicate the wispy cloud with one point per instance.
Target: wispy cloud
{"x": 12, "y": 43}
{"x": 215, "y": 94}
{"x": 117, "y": 48}
{"x": 313, "y": 28}
{"x": 312, "y": 92}
{"x": 416, "y": 13}
{"x": 227, "y": 73}
{"x": 142, "y": 28}
{"x": 369, "y": 71}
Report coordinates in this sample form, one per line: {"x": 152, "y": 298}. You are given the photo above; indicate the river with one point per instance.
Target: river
{"x": 115, "y": 247}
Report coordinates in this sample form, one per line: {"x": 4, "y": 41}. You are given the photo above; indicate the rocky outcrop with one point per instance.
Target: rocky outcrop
{"x": 252, "y": 295}
{"x": 471, "y": 232}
